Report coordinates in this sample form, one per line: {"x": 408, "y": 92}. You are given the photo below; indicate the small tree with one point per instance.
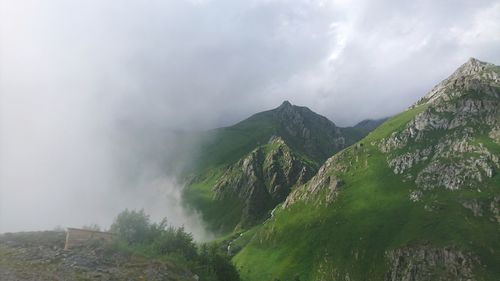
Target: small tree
{"x": 132, "y": 226}
{"x": 175, "y": 241}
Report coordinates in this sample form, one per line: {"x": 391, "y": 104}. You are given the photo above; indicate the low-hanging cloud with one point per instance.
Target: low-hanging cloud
{"x": 90, "y": 91}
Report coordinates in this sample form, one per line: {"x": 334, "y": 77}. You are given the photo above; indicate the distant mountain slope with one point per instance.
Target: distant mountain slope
{"x": 369, "y": 125}
{"x": 364, "y": 127}
{"x": 245, "y": 170}
{"x": 416, "y": 199}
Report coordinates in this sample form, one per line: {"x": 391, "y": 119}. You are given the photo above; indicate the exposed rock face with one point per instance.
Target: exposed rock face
{"x": 263, "y": 179}
{"x": 495, "y": 208}
{"x": 323, "y": 180}
{"x": 442, "y": 139}
{"x": 470, "y": 76}
{"x": 495, "y": 134}
{"x": 474, "y": 206}
{"x": 429, "y": 264}
{"x": 325, "y": 185}
{"x": 407, "y": 160}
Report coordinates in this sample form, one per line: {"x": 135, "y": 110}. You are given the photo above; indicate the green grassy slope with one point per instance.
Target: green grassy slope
{"x": 371, "y": 215}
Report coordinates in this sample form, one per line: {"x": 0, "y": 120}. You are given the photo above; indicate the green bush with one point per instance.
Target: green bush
{"x": 217, "y": 263}
{"x": 175, "y": 241}
{"x": 132, "y": 226}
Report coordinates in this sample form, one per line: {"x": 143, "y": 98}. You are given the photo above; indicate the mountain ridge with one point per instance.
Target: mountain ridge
{"x": 423, "y": 184}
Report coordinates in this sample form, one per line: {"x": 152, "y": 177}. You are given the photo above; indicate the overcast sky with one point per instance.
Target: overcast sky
{"x": 78, "y": 76}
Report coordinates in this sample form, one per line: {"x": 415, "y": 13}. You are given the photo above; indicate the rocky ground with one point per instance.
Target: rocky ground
{"x": 39, "y": 256}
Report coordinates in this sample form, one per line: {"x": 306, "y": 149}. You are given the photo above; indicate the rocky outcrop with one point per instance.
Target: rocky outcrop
{"x": 263, "y": 179}
{"x": 425, "y": 263}
{"x": 324, "y": 180}
{"x": 474, "y": 206}
{"x": 495, "y": 134}
{"x": 470, "y": 76}
{"x": 495, "y": 208}
{"x": 406, "y": 161}
{"x": 326, "y": 184}
{"x": 489, "y": 207}
{"x": 461, "y": 173}
{"x": 441, "y": 139}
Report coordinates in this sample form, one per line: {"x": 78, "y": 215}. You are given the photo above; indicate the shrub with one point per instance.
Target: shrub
{"x": 214, "y": 261}
{"x": 132, "y": 226}
{"x": 175, "y": 241}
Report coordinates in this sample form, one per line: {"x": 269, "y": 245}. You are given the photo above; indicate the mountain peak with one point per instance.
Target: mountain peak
{"x": 287, "y": 111}
{"x": 473, "y": 60}
{"x": 466, "y": 77}
{"x": 285, "y": 104}
{"x": 471, "y": 67}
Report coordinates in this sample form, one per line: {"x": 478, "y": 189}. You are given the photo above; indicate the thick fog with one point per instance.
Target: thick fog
{"x": 92, "y": 93}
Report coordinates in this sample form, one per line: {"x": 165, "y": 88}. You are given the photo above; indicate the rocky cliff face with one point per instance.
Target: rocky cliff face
{"x": 263, "y": 179}
{"x": 426, "y": 263}
{"x": 448, "y": 144}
